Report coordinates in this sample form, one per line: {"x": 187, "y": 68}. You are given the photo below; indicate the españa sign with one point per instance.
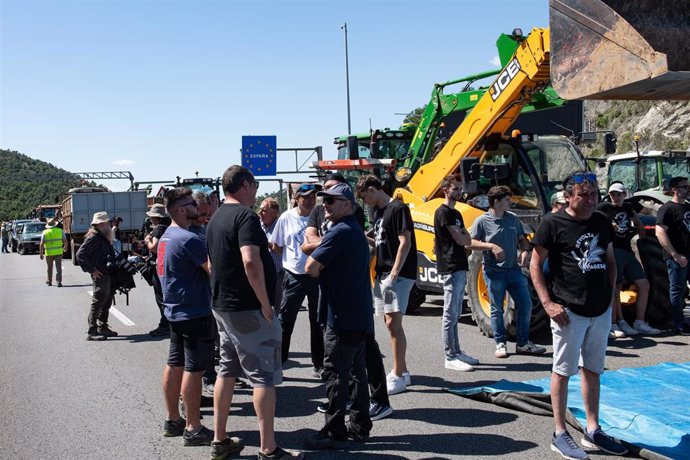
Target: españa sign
{"x": 259, "y": 155}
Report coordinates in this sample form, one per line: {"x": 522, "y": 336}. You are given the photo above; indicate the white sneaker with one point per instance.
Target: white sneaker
{"x": 616, "y": 333}
{"x": 501, "y": 350}
{"x": 644, "y": 328}
{"x": 408, "y": 378}
{"x": 457, "y": 365}
{"x": 467, "y": 359}
{"x": 395, "y": 384}
{"x": 625, "y": 327}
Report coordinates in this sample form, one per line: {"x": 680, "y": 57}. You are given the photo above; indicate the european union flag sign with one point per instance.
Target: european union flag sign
{"x": 259, "y": 155}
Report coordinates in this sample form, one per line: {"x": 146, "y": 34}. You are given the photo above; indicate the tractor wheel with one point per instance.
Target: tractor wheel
{"x": 417, "y": 298}
{"x": 480, "y": 305}
{"x": 651, "y": 256}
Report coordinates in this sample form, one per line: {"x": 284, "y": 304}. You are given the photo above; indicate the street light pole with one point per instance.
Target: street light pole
{"x": 347, "y": 81}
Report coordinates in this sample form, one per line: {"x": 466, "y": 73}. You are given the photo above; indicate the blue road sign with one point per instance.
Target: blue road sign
{"x": 259, "y": 155}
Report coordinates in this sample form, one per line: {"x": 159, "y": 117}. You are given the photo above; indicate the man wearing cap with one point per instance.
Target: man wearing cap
{"x": 269, "y": 210}
{"x": 96, "y": 257}
{"x": 287, "y": 239}
{"x": 341, "y": 264}
{"x": 161, "y": 221}
{"x": 52, "y": 245}
{"x": 558, "y": 201}
{"x": 625, "y": 225}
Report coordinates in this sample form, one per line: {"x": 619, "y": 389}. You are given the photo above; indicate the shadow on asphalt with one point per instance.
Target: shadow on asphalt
{"x": 469, "y": 418}
{"x": 518, "y": 367}
{"x": 139, "y": 338}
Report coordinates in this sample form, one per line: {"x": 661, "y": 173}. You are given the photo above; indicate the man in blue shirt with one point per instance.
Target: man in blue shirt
{"x": 183, "y": 271}
{"x": 341, "y": 263}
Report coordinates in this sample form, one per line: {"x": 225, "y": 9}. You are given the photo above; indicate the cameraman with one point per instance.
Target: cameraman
{"x": 96, "y": 256}
{"x": 160, "y": 221}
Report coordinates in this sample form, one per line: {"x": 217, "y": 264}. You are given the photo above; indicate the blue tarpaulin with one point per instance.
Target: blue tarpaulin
{"x": 646, "y": 407}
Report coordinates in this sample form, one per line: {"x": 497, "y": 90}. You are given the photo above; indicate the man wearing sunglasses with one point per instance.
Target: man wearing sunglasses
{"x": 626, "y": 224}
{"x": 287, "y": 239}
{"x": 577, "y": 297}
{"x": 673, "y": 232}
{"x": 183, "y": 270}
{"x": 341, "y": 264}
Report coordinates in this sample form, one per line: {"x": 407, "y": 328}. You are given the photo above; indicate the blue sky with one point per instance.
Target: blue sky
{"x": 167, "y": 88}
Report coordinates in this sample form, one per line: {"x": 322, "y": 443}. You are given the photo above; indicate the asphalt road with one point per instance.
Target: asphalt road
{"x": 65, "y": 398}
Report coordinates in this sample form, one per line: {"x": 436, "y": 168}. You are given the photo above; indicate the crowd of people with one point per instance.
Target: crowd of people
{"x": 229, "y": 283}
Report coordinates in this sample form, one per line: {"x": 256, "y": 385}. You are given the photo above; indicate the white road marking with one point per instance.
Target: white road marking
{"x": 118, "y": 314}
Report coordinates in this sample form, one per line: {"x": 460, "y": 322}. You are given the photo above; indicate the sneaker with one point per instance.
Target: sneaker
{"x": 467, "y": 359}
{"x": 317, "y": 372}
{"x": 395, "y": 384}
{"x": 322, "y": 440}
{"x": 59, "y": 285}
{"x": 377, "y": 411}
{"x": 530, "y": 349}
{"x": 616, "y": 333}
{"x": 207, "y": 389}
{"x": 408, "y": 378}
{"x": 160, "y": 331}
{"x": 600, "y": 440}
{"x": 93, "y": 334}
{"x": 324, "y": 407}
{"x": 228, "y": 446}
{"x": 627, "y": 330}
{"x": 174, "y": 427}
{"x": 280, "y": 453}
{"x": 501, "y": 350}
{"x": 565, "y": 445}
{"x": 683, "y": 329}
{"x": 202, "y": 437}
{"x": 106, "y": 331}
{"x": 239, "y": 383}
{"x": 48, "y": 283}
{"x": 644, "y": 328}
{"x": 457, "y": 365}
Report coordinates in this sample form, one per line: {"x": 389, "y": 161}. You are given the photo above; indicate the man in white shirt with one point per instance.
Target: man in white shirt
{"x": 287, "y": 237}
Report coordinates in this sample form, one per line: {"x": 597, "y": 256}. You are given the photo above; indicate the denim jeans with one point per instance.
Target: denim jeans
{"x": 453, "y": 294}
{"x": 513, "y": 281}
{"x": 295, "y": 289}
{"x": 677, "y": 284}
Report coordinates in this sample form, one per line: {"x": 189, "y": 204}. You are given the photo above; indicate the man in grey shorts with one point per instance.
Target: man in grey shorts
{"x": 243, "y": 281}
{"x": 577, "y": 298}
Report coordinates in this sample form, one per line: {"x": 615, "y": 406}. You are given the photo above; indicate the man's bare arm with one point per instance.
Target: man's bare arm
{"x": 311, "y": 240}
{"x": 405, "y": 240}
{"x": 254, "y": 268}
{"x": 459, "y": 235}
{"x": 536, "y": 270}
{"x": 313, "y": 267}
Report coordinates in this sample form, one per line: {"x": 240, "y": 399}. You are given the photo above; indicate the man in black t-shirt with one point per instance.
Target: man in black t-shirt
{"x": 625, "y": 225}
{"x": 673, "y": 232}
{"x": 242, "y": 281}
{"x": 450, "y": 240}
{"x": 577, "y": 298}
{"x": 396, "y": 270}
{"x": 160, "y": 221}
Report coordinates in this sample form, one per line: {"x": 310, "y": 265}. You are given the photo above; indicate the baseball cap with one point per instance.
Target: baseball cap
{"x": 305, "y": 189}
{"x": 617, "y": 187}
{"x": 341, "y": 191}
{"x": 336, "y": 177}
{"x": 558, "y": 197}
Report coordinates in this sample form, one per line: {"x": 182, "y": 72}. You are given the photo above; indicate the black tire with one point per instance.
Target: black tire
{"x": 479, "y": 304}
{"x": 417, "y": 298}
{"x": 650, "y": 255}
{"x": 13, "y": 245}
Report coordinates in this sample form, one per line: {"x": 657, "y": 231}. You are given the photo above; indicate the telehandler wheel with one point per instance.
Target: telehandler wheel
{"x": 480, "y": 306}
{"x": 650, "y": 255}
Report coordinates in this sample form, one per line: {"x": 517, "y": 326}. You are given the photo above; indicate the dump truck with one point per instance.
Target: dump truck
{"x": 81, "y": 203}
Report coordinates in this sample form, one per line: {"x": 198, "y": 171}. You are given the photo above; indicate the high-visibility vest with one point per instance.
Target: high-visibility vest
{"x": 52, "y": 241}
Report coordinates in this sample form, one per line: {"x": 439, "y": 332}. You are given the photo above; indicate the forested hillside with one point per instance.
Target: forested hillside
{"x": 25, "y": 183}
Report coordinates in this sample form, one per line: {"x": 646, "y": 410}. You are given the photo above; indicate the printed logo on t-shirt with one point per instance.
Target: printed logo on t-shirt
{"x": 622, "y": 223}
{"x": 588, "y": 253}
{"x": 160, "y": 258}
{"x": 379, "y": 232}
{"x": 326, "y": 226}
{"x": 686, "y": 220}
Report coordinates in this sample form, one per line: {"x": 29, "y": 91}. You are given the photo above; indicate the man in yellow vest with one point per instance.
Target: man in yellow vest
{"x": 52, "y": 245}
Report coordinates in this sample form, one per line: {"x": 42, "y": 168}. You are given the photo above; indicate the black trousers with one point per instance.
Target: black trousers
{"x": 295, "y": 289}
{"x": 344, "y": 360}
{"x": 376, "y": 372}
{"x": 101, "y": 300}
{"x": 158, "y": 292}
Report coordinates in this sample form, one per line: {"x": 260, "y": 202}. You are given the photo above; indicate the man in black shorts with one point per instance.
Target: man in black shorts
{"x": 243, "y": 280}
{"x": 183, "y": 271}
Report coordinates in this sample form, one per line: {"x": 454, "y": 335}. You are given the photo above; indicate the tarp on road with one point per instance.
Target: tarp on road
{"x": 648, "y": 408}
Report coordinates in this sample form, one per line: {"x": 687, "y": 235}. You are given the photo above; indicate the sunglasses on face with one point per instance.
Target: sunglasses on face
{"x": 332, "y": 199}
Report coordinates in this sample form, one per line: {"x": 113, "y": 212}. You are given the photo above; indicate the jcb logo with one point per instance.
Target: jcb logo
{"x": 430, "y": 275}
{"x": 504, "y": 78}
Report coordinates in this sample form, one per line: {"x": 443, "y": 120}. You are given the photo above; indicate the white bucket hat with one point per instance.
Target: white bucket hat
{"x": 100, "y": 217}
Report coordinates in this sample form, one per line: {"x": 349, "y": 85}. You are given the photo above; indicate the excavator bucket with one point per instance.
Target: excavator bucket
{"x": 620, "y": 49}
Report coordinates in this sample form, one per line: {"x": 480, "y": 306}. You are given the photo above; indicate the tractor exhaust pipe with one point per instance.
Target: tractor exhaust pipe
{"x": 620, "y": 49}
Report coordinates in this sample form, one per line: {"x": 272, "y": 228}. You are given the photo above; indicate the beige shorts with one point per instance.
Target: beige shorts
{"x": 392, "y": 298}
